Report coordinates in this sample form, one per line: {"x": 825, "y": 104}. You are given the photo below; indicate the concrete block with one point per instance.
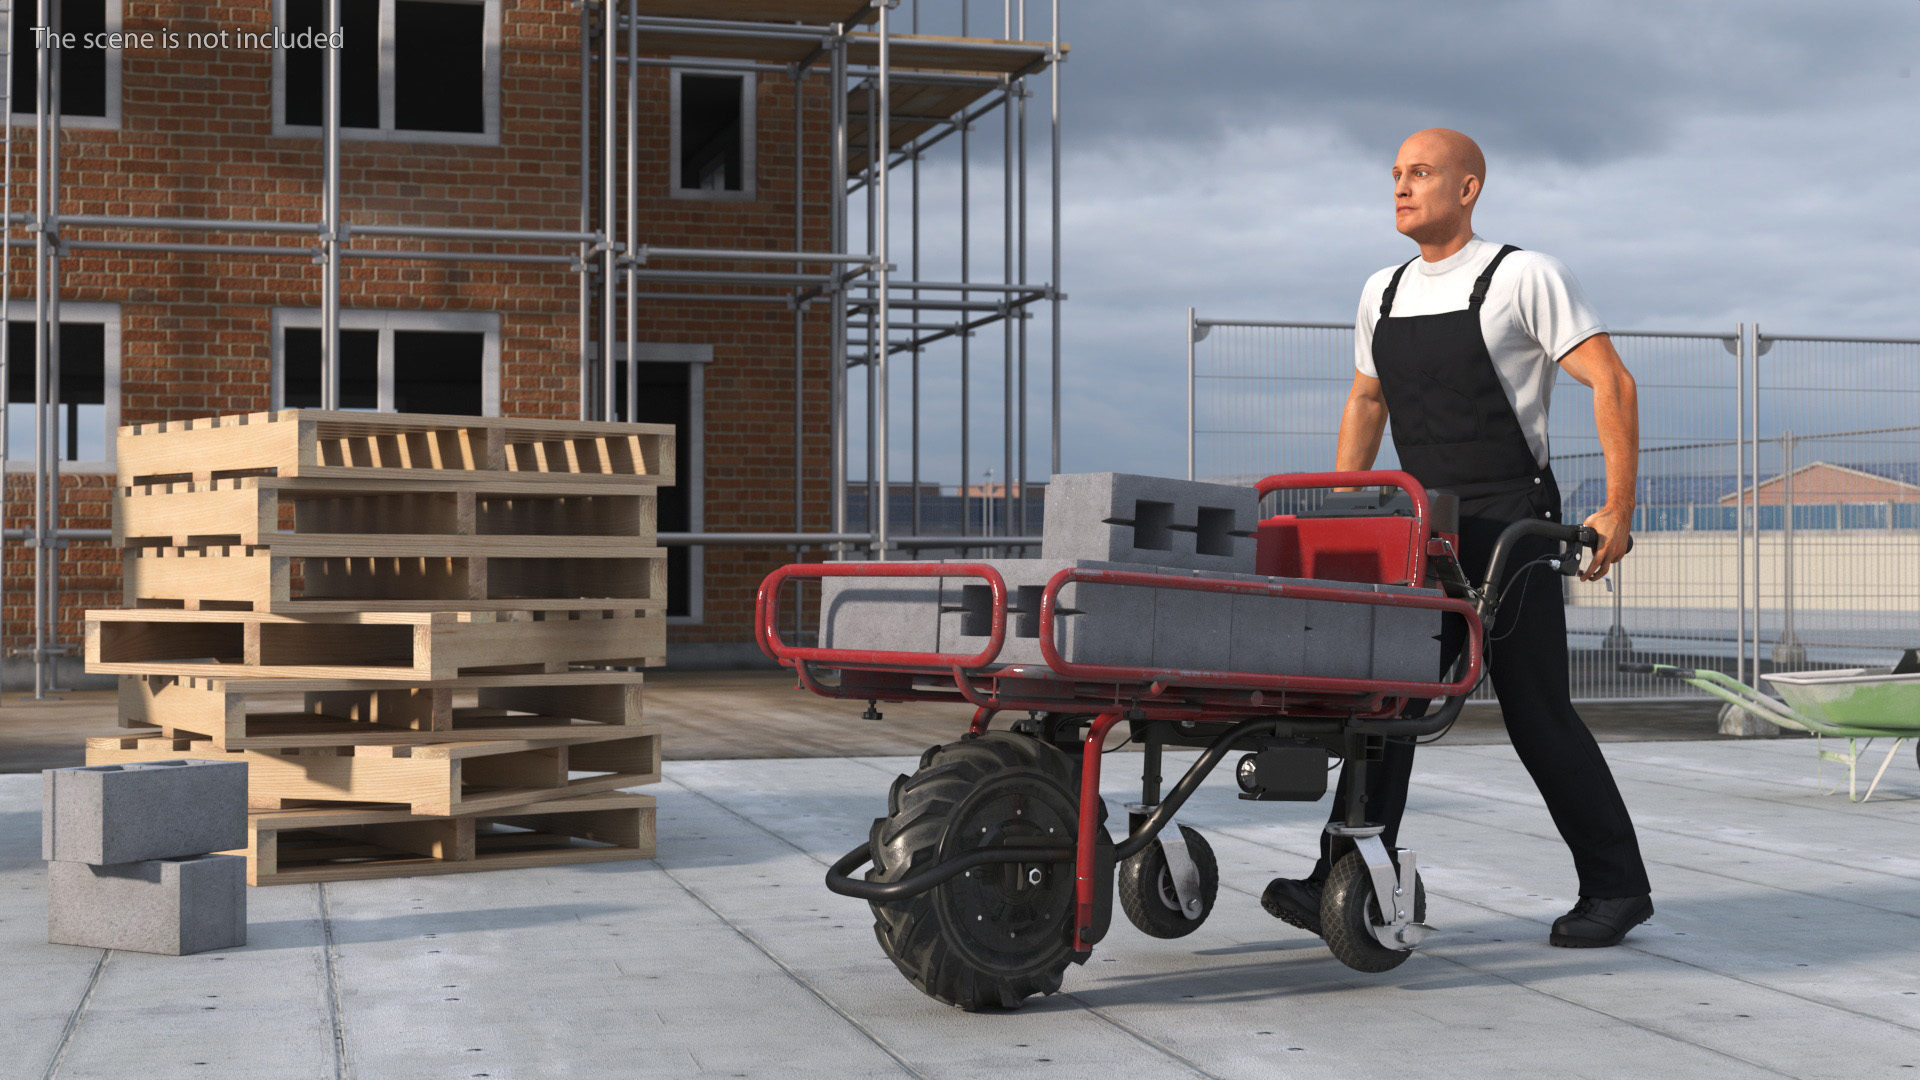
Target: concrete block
{"x": 1269, "y": 635}
{"x": 168, "y": 906}
{"x": 1120, "y": 517}
{"x": 895, "y": 614}
{"x": 1100, "y": 624}
{"x": 105, "y": 814}
{"x": 1406, "y": 641}
{"x": 1193, "y": 630}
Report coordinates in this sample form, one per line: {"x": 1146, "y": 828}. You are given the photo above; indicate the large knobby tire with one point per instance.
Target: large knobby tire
{"x": 1147, "y": 894}
{"x": 1000, "y": 933}
{"x": 1347, "y": 908}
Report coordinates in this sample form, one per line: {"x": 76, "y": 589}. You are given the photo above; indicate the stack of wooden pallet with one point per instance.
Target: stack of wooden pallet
{"x": 408, "y": 627}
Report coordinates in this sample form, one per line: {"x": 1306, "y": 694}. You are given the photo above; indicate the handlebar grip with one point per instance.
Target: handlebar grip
{"x": 1637, "y": 669}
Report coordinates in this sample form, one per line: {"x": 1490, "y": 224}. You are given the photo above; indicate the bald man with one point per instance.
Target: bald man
{"x": 1458, "y": 347}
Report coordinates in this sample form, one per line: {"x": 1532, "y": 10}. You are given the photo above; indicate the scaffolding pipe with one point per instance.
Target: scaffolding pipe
{"x": 454, "y": 256}
{"x": 633, "y": 225}
{"x": 330, "y": 237}
{"x": 1006, "y": 257}
{"x": 1053, "y": 220}
{"x": 966, "y": 263}
{"x": 837, "y": 210}
{"x": 584, "y": 317}
{"x": 883, "y": 269}
{"x": 1020, "y": 321}
{"x": 114, "y": 221}
{"x": 609, "y": 191}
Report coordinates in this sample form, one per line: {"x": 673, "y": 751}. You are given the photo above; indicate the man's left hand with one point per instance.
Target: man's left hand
{"x": 1614, "y": 526}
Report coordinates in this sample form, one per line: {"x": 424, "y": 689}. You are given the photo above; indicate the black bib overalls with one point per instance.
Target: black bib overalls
{"x": 1455, "y": 430}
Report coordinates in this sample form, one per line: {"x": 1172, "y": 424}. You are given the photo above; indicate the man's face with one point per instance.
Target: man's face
{"x": 1431, "y": 195}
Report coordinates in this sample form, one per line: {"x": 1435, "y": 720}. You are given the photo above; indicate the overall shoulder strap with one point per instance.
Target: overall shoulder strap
{"x": 1386, "y": 298}
{"x": 1485, "y": 279}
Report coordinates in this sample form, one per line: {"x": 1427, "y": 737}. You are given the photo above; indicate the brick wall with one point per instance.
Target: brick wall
{"x": 196, "y": 140}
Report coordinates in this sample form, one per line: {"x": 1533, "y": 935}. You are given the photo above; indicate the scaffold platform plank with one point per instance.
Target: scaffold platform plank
{"x": 436, "y": 780}
{"x": 397, "y": 645}
{"x": 818, "y": 12}
{"x": 287, "y": 847}
{"x": 355, "y": 445}
{"x": 917, "y": 108}
{"x": 230, "y": 716}
{"x": 907, "y": 53}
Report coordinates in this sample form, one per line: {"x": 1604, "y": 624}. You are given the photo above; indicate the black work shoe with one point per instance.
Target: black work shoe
{"x": 1597, "y": 922}
{"x": 1296, "y": 902}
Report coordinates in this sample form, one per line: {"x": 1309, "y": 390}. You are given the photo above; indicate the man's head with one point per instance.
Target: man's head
{"x": 1436, "y": 181}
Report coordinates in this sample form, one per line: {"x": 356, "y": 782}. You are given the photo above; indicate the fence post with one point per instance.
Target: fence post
{"x": 1787, "y": 652}
{"x": 1190, "y": 393}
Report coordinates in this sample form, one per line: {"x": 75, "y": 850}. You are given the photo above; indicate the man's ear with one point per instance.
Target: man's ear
{"x": 1470, "y": 190}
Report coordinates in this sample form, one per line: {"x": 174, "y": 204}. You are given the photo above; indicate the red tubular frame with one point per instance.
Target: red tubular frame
{"x": 766, "y": 615}
{"x": 1422, "y": 506}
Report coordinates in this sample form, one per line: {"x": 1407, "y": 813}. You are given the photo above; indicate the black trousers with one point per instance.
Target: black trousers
{"x": 1528, "y": 661}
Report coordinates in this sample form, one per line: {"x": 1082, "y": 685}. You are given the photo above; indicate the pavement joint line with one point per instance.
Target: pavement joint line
{"x": 1768, "y": 988}
{"x": 797, "y": 978}
{"x": 328, "y": 960}
{"x": 1643, "y": 827}
{"x": 1137, "y": 1036}
{"x": 73, "y": 1018}
{"x": 1143, "y": 1039}
{"x": 1529, "y": 988}
{"x": 1775, "y": 800}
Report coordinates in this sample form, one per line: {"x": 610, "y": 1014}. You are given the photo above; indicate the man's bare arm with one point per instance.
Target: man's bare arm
{"x": 1616, "y": 416}
{"x": 1361, "y": 425}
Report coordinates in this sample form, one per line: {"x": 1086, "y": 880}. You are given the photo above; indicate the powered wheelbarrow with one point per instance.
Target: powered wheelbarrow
{"x": 994, "y": 868}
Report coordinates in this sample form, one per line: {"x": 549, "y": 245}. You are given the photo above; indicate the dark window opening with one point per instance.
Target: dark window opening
{"x": 439, "y": 66}
{"x": 712, "y": 157}
{"x": 666, "y": 397}
{"x": 438, "y": 372}
{"x": 359, "y": 369}
{"x": 359, "y": 64}
{"x": 82, "y": 387}
{"x": 83, "y": 71}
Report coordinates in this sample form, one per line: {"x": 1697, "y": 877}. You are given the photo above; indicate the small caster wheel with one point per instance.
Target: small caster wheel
{"x": 1147, "y": 894}
{"x": 1348, "y": 913}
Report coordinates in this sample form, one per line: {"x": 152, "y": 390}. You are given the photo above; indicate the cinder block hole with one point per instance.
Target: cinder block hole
{"x": 1026, "y": 621}
{"x": 976, "y": 611}
{"x": 1214, "y": 533}
{"x": 1152, "y": 525}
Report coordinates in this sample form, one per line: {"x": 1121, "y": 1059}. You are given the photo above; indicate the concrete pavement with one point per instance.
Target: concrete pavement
{"x": 1784, "y": 945}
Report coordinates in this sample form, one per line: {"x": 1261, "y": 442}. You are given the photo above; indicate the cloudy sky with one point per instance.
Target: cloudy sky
{"x": 1696, "y": 164}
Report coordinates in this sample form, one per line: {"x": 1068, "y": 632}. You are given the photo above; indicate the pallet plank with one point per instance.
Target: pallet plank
{"x": 434, "y": 781}
{"x": 287, "y": 847}
{"x": 408, "y": 646}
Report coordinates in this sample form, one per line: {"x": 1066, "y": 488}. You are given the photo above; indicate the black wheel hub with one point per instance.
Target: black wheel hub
{"x": 1008, "y": 915}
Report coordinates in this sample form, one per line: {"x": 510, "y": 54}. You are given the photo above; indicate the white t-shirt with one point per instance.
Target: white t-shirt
{"x": 1534, "y": 314}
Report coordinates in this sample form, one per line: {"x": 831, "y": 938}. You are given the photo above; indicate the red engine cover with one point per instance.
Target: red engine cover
{"x": 1368, "y": 550}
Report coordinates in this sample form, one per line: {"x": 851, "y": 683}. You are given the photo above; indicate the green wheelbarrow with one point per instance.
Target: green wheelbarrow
{"x": 1846, "y": 703}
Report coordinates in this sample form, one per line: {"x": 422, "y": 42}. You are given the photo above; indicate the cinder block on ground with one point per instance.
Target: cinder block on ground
{"x": 105, "y": 814}
{"x": 1120, "y": 517}
{"x": 167, "y": 906}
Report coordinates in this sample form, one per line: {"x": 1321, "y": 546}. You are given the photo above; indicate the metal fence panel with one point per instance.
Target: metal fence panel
{"x": 1816, "y": 565}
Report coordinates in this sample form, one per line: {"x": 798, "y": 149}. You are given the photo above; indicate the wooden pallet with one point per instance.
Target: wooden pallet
{"x": 400, "y": 645}
{"x": 346, "y": 713}
{"x": 355, "y": 445}
{"x": 293, "y": 847}
{"x": 436, "y": 780}
{"x": 302, "y": 516}
{"x": 466, "y": 574}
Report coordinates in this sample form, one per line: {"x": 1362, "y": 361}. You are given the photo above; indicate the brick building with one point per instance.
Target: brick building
{"x": 482, "y": 119}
